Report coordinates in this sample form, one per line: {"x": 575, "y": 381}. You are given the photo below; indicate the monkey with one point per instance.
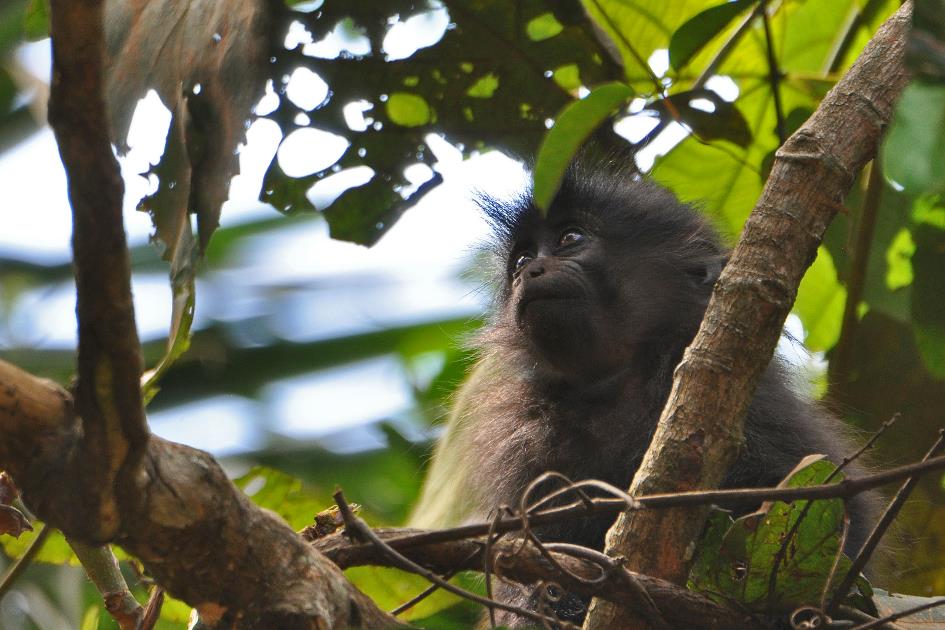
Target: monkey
{"x": 594, "y": 305}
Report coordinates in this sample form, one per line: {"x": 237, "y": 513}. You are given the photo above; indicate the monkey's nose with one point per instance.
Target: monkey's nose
{"x": 536, "y": 269}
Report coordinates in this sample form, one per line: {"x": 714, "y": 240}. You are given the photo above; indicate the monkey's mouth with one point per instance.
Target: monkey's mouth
{"x": 535, "y": 299}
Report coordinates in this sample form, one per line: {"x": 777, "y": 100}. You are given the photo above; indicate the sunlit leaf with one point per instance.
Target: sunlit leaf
{"x": 36, "y": 22}
{"x": 698, "y": 30}
{"x": 408, "y": 110}
{"x": 820, "y": 302}
{"x": 54, "y": 551}
{"x": 90, "y": 618}
{"x": 574, "y": 124}
{"x": 175, "y": 611}
{"x": 899, "y": 260}
{"x": 282, "y": 494}
{"x": 390, "y": 588}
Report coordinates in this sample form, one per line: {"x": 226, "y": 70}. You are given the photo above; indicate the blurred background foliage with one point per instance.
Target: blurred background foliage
{"x": 310, "y": 363}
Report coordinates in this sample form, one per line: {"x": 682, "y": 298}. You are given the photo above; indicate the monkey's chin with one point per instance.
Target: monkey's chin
{"x": 560, "y": 333}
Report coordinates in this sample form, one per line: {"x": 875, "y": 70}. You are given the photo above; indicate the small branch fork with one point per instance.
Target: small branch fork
{"x": 439, "y": 555}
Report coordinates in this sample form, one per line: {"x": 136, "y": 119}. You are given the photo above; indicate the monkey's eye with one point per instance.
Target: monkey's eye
{"x": 570, "y": 237}
{"x": 521, "y": 261}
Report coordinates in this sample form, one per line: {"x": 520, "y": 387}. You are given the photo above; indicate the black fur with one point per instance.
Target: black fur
{"x": 578, "y": 372}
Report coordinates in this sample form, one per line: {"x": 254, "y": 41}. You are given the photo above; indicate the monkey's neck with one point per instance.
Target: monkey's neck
{"x": 648, "y": 375}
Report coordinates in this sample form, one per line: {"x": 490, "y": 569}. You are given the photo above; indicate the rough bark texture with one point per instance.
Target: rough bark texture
{"x": 96, "y": 473}
{"x": 199, "y": 536}
{"x": 107, "y": 395}
{"x": 701, "y": 426}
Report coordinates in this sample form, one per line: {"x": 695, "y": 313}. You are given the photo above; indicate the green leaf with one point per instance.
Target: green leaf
{"x": 899, "y": 260}
{"x": 487, "y": 83}
{"x": 175, "y": 611}
{"x": 543, "y": 27}
{"x": 409, "y": 110}
{"x": 485, "y": 87}
{"x": 820, "y": 302}
{"x": 54, "y": 551}
{"x": 183, "y": 289}
{"x": 639, "y": 28}
{"x": 928, "y": 305}
{"x": 281, "y": 493}
{"x": 913, "y": 152}
{"x": 738, "y": 565}
{"x": 90, "y": 618}
{"x": 36, "y": 20}
{"x": 390, "y": 588}
{"x": 572, "y": 127}
{"x": 568, "y": 77}
{"x": 699, "y": 30}
{"x": 725, "y": 122}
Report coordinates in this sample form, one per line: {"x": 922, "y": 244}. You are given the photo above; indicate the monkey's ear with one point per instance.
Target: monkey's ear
{"x": 708, "y": 272}
{"x": 714, "y": 268}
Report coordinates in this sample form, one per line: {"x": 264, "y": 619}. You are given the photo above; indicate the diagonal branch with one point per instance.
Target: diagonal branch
{"x": 697, "y": 437}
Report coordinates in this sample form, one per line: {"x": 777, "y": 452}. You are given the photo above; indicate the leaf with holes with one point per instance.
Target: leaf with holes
{"x": 497, "y": 72}
{"x": 738, "y": 565}
{"x": 208, "y": 63}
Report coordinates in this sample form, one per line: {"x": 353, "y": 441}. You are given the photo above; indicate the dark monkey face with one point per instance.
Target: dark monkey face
{"x": 618, "y": 268}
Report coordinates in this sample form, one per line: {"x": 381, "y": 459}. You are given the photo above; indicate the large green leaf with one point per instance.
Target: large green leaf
{"x": 390, "y": 588}
{"x": 639, "y": 28}
{"x": 737, "y": 566}
{"x": 54, "y": 551}
{"x": 573, "y": 126}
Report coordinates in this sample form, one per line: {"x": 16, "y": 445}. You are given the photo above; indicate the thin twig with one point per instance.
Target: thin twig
{"x": 880, "y": 529}
{"x": 357, "y": 527}
{"x": 899, "y": 615}
{"x": 24, "y": 561}
{"x": 102, "y": 568}
{"x": 774, "y": 74}
{"x": 728, "y": 498}
{"x": 858, "y": 616}
{"x": 413, "y": 601}
{"x": 837, "y": 557}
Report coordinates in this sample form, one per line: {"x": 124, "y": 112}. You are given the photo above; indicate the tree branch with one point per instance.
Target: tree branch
{"x": 200, "y": 538}
{"x": 107, "y": 393}
{"x": 680, "y": 607}
{"x": 97, "y": 474}
{"x": 697, "y": 438}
